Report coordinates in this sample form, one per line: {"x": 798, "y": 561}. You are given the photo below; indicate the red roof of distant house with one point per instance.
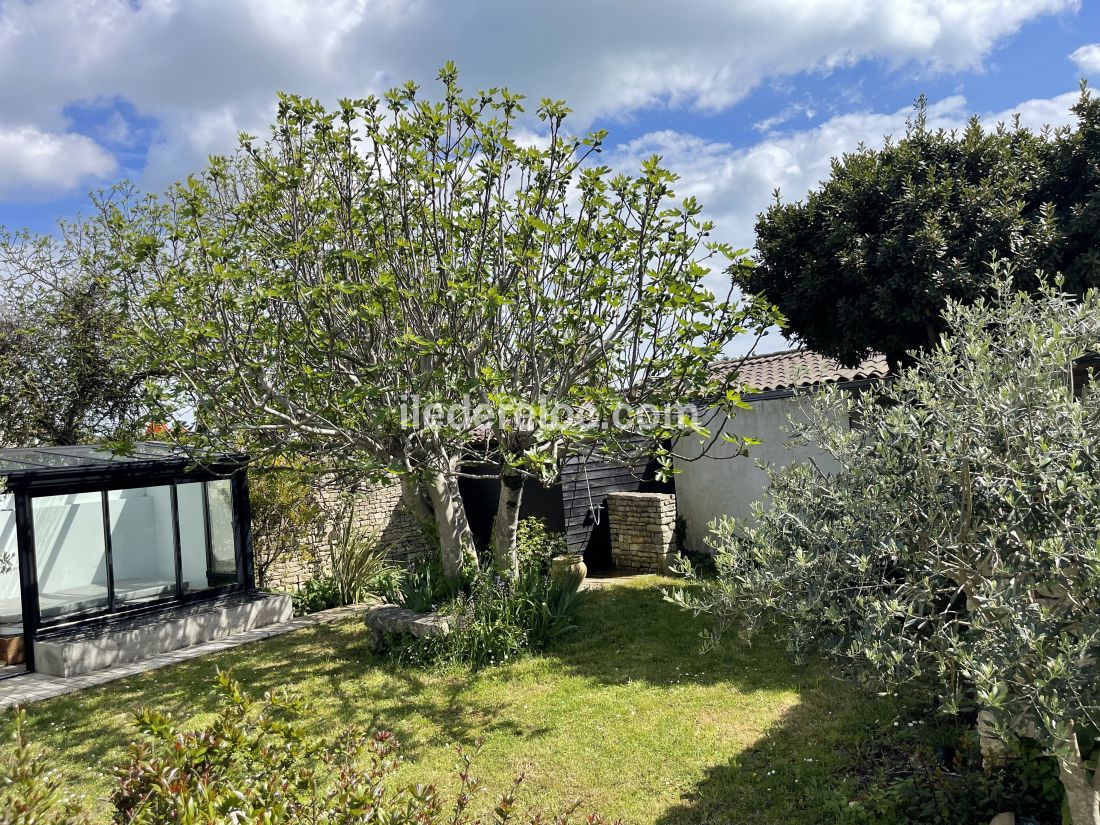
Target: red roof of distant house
{"x": 796, "y": 368}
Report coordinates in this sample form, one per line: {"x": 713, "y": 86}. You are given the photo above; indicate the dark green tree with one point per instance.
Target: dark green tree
{"x": 1071, "y": 186}
{"x": 65, "y": 374}
{"x": 867, "y": 261}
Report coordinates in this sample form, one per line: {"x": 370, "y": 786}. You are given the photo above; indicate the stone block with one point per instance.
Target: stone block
{"x": 389, "y": 618}
{"x": 385, "y": 620}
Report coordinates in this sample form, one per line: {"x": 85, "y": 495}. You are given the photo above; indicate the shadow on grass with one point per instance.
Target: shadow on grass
{"x": 628, "y": 635}
{"x": 329, "y": 665}
{"x": 803, "y": 768}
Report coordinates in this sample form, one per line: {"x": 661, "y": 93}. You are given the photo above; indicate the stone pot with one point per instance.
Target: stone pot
{"x": 569, "y": 569}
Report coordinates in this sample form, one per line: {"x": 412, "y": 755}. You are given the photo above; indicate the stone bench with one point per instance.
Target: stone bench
{"x": 388, "y": 619}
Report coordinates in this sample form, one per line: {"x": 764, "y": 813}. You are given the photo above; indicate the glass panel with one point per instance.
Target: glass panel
{"x": 11, "y": 605}
{"x": 192, "y": 515}
{"x": 41, "y": 458}
{"x": 143, "y": 546}
{"x": 71, "y": 553}
{"x": 88, "y": 454}
{"x": 218, "y": 567}
{"x": 222, "y": 542}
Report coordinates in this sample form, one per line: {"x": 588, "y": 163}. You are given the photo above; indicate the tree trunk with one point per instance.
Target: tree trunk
{"x": 456, "y": 542}
{"x": 1082, "y": 793}
{"x": 507, "y": 521}
{"x": 412, "y": 496}
{"x": 994, "y": 750}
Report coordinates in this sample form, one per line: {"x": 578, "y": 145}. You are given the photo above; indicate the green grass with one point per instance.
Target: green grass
{"x": 626, "y": 714}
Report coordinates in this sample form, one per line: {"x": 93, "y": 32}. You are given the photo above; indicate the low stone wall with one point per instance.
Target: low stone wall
{"x": 377, "y": 511}
{"x": 85, "y": 650}
{"x": 643, "y": 531}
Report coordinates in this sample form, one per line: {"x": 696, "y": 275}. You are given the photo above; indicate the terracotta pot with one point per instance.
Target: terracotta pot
{"x": 568, "y": 569}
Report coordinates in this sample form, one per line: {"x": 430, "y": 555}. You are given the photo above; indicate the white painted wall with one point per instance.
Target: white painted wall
{"x": 192, "y": 536}
{"x": 9, "y": 582}
{"x": 68, "y": 534}
{"x": 142, "y": 544}
{"x": 68, "y": 538}
{"x": 721, "y": 484}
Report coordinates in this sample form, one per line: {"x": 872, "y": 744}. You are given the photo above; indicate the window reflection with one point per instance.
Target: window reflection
{"x": 142, "y": 544}
{"x": 71, "y": 553}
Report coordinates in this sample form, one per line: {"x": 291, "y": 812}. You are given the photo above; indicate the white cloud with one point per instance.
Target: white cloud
{"x": 116, "y": 129}
{"x": 1087, "y": 58}
{"x": 36, "y": 164}
{"x": 195, "y": 62}
{"x": 769, "y": 124}
{"x": 735, "y": 184}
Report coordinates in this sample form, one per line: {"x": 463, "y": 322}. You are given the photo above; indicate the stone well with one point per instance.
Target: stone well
{"x": 643, "y": 531}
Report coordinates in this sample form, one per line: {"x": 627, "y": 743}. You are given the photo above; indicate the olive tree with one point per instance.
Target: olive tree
{"x": 959, "y": 545}
{"x": 331, "y": 289}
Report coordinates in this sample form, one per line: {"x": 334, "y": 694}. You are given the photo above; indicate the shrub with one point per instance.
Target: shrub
{"x": 286, "y": 518}
{"x": 497, "y": 618}
{"x": 320, "y": 593}
{"x": 949, "y": 785}
{"x": 537, "y": 544}
{"x": 30, "y": 792}
{"x": 503, "y": 618}
{"x": 421, "y": 586}
{"x": 255, "y": 762}
{"x": 359, "y": 567}
{"x": 959, "y": 546}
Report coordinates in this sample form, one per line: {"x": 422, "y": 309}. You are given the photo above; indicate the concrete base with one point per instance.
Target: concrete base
{"x": 81, "y": 651}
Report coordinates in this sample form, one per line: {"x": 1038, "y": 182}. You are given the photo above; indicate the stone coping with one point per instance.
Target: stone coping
{"x": 157, "y": 617}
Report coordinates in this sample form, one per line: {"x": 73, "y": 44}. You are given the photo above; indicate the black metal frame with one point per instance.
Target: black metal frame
{"x": 28, "y": 485}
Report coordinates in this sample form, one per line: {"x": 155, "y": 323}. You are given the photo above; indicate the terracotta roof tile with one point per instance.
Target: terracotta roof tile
{"x": 799, "y": 368}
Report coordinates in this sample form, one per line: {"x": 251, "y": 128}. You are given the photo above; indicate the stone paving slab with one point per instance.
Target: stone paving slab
{"x": 34, "y": 687}
{"x": 609, "y": 578}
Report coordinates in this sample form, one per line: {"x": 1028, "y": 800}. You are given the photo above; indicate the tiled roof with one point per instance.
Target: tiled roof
{"x": 799, "y": 368}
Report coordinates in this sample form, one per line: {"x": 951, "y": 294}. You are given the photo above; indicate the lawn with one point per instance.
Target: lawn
{"x": 626, "y": 714}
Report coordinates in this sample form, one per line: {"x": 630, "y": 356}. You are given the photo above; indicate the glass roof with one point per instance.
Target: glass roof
{"x": 23, "y": 459}
{"x": 9, "y": 466}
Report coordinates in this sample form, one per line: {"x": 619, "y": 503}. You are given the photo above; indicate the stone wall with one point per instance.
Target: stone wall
{"x": 377, "y": 511}
{"x": 643, "y": 531}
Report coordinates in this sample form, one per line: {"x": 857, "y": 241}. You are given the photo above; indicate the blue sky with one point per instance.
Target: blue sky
{"x": 739, "y": 97}
{"x": 93, "y": 124}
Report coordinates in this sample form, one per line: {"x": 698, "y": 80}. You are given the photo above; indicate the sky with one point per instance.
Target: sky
{"x": 739, "y": 98}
